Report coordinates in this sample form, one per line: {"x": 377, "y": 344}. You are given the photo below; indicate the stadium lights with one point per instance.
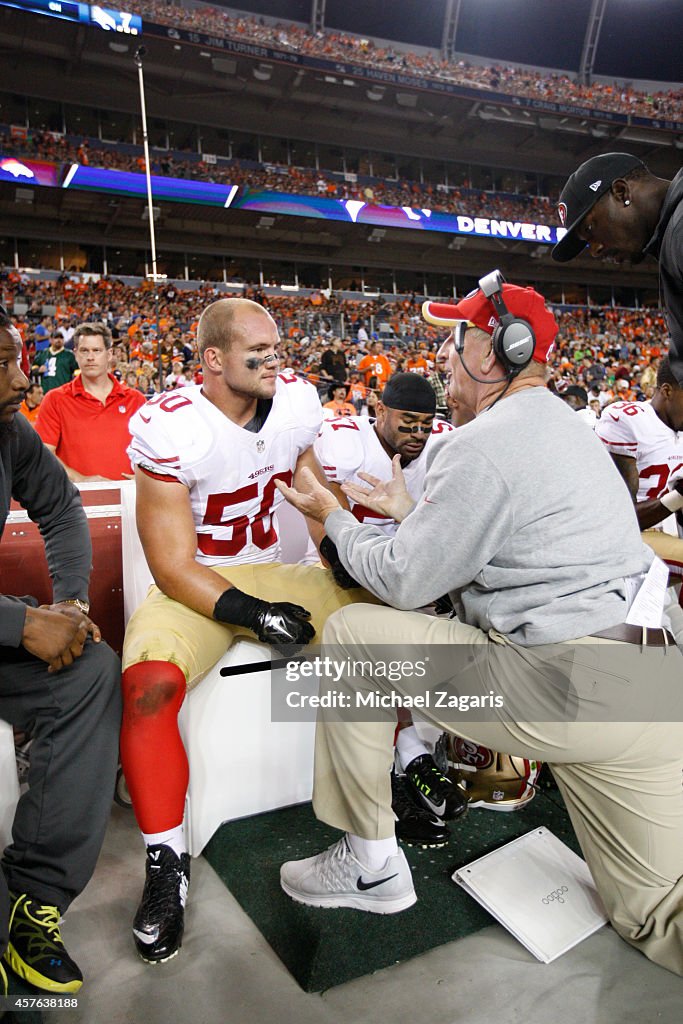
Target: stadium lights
{"x": 406, "y": 99}
{"x": 263, "y": 72}
{"x": 376, "y": 93}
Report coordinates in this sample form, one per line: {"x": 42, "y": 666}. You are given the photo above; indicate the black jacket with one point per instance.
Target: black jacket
{"x": 334, "y": 365}
{"x": 667, "y": 246}
{"x": 34, "y": 477}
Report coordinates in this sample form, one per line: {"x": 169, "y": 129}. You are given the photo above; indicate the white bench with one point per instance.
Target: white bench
{"x": 241, "y": 762}
{"x": 9, "y": 784}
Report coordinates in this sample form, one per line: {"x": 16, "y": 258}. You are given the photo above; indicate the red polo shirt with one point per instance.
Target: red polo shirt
{"x": 88, "y": 436}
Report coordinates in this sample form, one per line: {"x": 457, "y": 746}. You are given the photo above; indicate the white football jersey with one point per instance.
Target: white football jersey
{"x": 349, "y": 445}
{"x": 634, "y": 429}
{"x": 230, "y": 472}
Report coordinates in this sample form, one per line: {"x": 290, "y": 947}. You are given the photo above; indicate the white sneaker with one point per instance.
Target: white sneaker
{"x": 336, "y": 879}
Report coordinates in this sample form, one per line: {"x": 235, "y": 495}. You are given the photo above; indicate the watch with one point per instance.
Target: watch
{"x": 83, "y": 606}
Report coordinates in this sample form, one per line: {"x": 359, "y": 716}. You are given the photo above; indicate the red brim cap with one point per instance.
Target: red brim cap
{"x": 479, "y": 311}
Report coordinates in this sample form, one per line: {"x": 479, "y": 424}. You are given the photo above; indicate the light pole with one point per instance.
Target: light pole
{"x": 154, "y": 276}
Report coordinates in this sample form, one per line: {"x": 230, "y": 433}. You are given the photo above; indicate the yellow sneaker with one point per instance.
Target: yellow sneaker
{"x": 36, "y": 951}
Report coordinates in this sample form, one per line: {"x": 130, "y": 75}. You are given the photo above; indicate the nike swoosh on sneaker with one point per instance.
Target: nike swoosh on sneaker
{"x": 363, "y": 886}
{"x": 146, "y": 937}
{"x": 438, "y": 808}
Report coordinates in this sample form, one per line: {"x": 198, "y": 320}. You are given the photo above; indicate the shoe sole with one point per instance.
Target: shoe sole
{"x": 394, "y": 906}
{"x": 162, "y": 960}
{"x": 423, "y": 844}
{"x": 26, "y": 973}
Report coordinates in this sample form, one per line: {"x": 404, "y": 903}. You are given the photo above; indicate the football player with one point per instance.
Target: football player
{"x": 206, "y": 460}
{"x": 354, "y": 452}
{"x": 646, "y": 444}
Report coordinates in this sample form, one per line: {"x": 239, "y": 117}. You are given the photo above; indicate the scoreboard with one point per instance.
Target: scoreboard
{"x": 99, "y": 17}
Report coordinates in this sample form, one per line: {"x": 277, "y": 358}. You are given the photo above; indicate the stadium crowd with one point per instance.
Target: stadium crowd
{"x": 554, "y": 87}
{"x": 611, "y": 352}
{"x": 53, "y": 147}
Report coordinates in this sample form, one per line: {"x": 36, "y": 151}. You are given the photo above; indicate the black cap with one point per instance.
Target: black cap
{"x": 580, "y": 194}
{"x": 575, "y": 391}
{"x": 409, "y": 392}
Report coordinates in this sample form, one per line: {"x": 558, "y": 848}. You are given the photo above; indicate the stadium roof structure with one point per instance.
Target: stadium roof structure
{"x": 616, "y": 39}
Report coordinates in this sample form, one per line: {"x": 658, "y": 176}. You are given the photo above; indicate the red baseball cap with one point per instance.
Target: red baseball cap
{"x": 479, "y": 311}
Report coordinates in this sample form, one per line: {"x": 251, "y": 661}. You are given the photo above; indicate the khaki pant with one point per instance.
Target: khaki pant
{"x": 621, "y": 780}
{"x": 165, "y": 630}
{"x": 667, "y": 547}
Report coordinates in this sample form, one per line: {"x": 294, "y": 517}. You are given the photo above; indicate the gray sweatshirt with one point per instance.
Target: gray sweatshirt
{"x": 524, "y": 520}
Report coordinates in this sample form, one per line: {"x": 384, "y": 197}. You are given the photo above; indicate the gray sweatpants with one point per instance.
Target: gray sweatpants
{"x": 621, "y": 779}
{"x": 74, "y": 716}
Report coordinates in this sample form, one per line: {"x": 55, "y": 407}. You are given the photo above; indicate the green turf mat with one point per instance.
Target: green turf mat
{"x": 322, "y": 948}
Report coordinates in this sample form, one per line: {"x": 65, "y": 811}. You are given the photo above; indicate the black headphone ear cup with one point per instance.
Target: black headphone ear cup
{"x": 514, "y": 343}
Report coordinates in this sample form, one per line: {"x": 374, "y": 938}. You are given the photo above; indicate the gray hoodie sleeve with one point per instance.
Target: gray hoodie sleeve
{"x": 463, "y": 517}
{"x": 41, "y": 485}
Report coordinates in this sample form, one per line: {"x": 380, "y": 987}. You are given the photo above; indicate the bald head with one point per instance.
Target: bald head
{"x": 225, "y": 320}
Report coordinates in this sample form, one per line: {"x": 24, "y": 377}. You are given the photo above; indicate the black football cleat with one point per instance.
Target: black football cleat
{"x": 415, "y": 825}
{"x": 435, "y": 790}
{"x": 160, "y": 918}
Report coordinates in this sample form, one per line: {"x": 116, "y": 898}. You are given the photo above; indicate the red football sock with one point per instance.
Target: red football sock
{"x": 152, "y": 752}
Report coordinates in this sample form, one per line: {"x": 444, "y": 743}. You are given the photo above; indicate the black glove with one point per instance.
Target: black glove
{"x": 342, "y": 578}
{"x": 280, "y": 623}
{"x": 444, "y": 606}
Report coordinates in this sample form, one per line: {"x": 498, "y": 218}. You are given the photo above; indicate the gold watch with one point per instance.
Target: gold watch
{"x": 82, "y": 606}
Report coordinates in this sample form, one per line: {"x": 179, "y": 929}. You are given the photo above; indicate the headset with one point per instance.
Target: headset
{"x": 513, "y": 340}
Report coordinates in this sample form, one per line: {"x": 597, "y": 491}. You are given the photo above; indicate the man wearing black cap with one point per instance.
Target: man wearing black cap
{"x": 614, "y": 205}
{"x": 559, "y": 608}
{"x": 576, "y": 398}
{"x": 351, "y": 452}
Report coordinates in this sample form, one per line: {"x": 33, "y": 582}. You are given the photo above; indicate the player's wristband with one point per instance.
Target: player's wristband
{"x": 672, "y": 500}
{"x": 238, "y": 608}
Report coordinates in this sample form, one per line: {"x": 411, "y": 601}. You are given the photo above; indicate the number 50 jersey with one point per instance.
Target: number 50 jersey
{"x": 230, "y": 472}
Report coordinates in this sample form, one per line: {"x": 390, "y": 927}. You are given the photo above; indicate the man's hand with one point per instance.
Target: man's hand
{"x": 56, "y": 634}
{"x": 315, "y": 501}
{"x": 284, "y": 625}
{"x": 342, "y": 577}
{"x": 67, "y": 608}
{"x": 389, "y": 498}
